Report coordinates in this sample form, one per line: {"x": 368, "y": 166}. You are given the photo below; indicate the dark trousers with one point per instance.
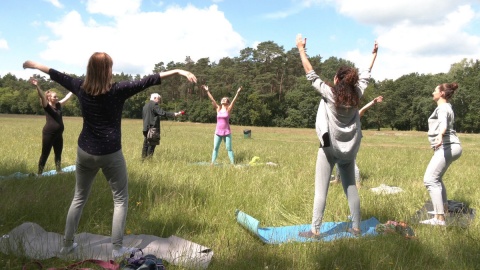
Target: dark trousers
{"x": 147, "y": 150}
{"x": 50, "y": 141}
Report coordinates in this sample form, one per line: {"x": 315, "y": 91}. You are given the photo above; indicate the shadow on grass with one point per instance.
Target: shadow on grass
{"x": 11, "y": 166}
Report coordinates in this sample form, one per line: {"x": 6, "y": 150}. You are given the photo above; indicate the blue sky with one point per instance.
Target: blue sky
{"x": 425, "y": 36}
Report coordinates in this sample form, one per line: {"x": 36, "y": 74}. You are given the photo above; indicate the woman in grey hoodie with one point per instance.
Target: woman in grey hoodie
{"x": 339, "y": 131}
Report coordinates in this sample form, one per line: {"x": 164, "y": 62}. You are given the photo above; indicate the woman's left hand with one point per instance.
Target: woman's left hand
{"x": 190, "y": 77}
{"x": 29, "y": 64}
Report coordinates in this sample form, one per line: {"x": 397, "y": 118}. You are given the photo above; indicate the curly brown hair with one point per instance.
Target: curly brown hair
{"x": 344, "y": 90}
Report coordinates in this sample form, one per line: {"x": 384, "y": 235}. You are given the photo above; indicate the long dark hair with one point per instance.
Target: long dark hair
{"x": 99, "y": 74}
{"x": 344, "y": 90}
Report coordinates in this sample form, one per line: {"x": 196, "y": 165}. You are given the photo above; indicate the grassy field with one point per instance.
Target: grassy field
{"x": 172, "y": 195}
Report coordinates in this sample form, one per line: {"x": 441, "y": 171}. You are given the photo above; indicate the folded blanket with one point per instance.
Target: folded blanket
{"x": 32, "y": 241}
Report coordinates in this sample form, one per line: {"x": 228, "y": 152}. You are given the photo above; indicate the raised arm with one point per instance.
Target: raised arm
{"x": 66, "y": 98}
{"x": 303, "y": 55}
{"x": 187, "y": 74}
{"x": 230, "y": 107}
{"x": 370, "y": 104}
{"x": 214, "y": 103}
{"x": 374, "y": 52}
{"x": 35, "y": 65}
{"x": 41, "y": 95}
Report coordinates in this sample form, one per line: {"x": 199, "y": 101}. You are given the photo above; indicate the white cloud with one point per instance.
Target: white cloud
{"x": 138, "y": 41}
{"x": 395, "y": 11}
{"x": 3, "y": 44}
{"x": 113, "y": 8}
{"x": 56, "y": 3}
{"x": 412, "y": 40}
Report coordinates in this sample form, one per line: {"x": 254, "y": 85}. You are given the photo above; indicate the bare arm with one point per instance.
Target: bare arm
{"x": 41, "y": 95}
{"x": 66, "y": 98}
{"x": 230, "y": 107}
{"x": 190, "y": 77}
{"x": 370, "y": 104}
{"x": 374, "y": 52}
{"x": 35, "y": 65}
{"x": 303, "y": 55}
{"x": 214, "y": 103}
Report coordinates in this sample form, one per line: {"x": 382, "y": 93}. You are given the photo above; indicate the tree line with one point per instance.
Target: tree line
{"x": 275, "y": 92}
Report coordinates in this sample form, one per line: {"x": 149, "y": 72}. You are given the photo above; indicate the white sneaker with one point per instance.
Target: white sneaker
{"x": 434, "y": 222}
{"x": 67, "y": 250}
{"x": 116, "y": 253}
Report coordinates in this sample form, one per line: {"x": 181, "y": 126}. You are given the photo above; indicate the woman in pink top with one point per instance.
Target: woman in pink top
{"x": 222, "y": 131}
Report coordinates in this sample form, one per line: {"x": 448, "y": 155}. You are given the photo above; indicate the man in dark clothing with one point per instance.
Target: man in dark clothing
{"x": 151, "y": 115}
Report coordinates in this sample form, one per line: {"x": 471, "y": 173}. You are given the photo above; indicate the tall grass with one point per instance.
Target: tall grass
{"x": 174, "y": 194}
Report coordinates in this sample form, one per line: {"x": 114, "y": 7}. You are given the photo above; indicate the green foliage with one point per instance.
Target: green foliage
{"x": 275, "y": 92}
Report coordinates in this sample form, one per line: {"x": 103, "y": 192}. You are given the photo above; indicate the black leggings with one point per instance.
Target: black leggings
{"x": 50, "y": 140}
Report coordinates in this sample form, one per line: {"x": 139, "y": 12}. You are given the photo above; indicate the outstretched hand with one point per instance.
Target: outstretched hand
{"x": 375, "y": 47}
{"x": 301, "y": 42}
{"x": 374, "y": 52}
{"x": 205, "y": 87}
{"x": 29, "y": 64}
{"x": 378, "y": 99}
{"x": 33, "y": 81}
{"x": 239, "y": 89}
{"x": 190, "y": 77}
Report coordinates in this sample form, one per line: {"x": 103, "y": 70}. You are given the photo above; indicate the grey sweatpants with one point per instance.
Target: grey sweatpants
{"x": 441, "y": 160}
{"x": 115, "y": 170}
{"x": 357, "y": 173}
{"x": 323, "y": 170}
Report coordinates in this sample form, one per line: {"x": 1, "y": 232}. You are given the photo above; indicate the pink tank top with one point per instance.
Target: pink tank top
{"x": 223, "y": 126}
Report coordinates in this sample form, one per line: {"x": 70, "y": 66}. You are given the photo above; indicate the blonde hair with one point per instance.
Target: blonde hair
{"x": 48, "y": 94}
{"x": 99, "y": 74}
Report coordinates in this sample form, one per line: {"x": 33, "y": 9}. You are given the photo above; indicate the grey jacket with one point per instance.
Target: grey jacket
{"x": 341, "y": 125}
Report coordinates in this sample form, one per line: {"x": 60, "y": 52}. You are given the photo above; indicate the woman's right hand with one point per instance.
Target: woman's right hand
{"x": 205, "y": 87}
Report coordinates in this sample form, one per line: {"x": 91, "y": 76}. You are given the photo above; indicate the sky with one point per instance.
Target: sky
{"x": 423, "y": 36}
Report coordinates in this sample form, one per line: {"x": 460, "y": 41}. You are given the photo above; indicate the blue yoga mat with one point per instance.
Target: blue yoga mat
{"x": 19, "y": 175}
{"x": 70, "y": 168}
{"x": 285, "y": 234}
